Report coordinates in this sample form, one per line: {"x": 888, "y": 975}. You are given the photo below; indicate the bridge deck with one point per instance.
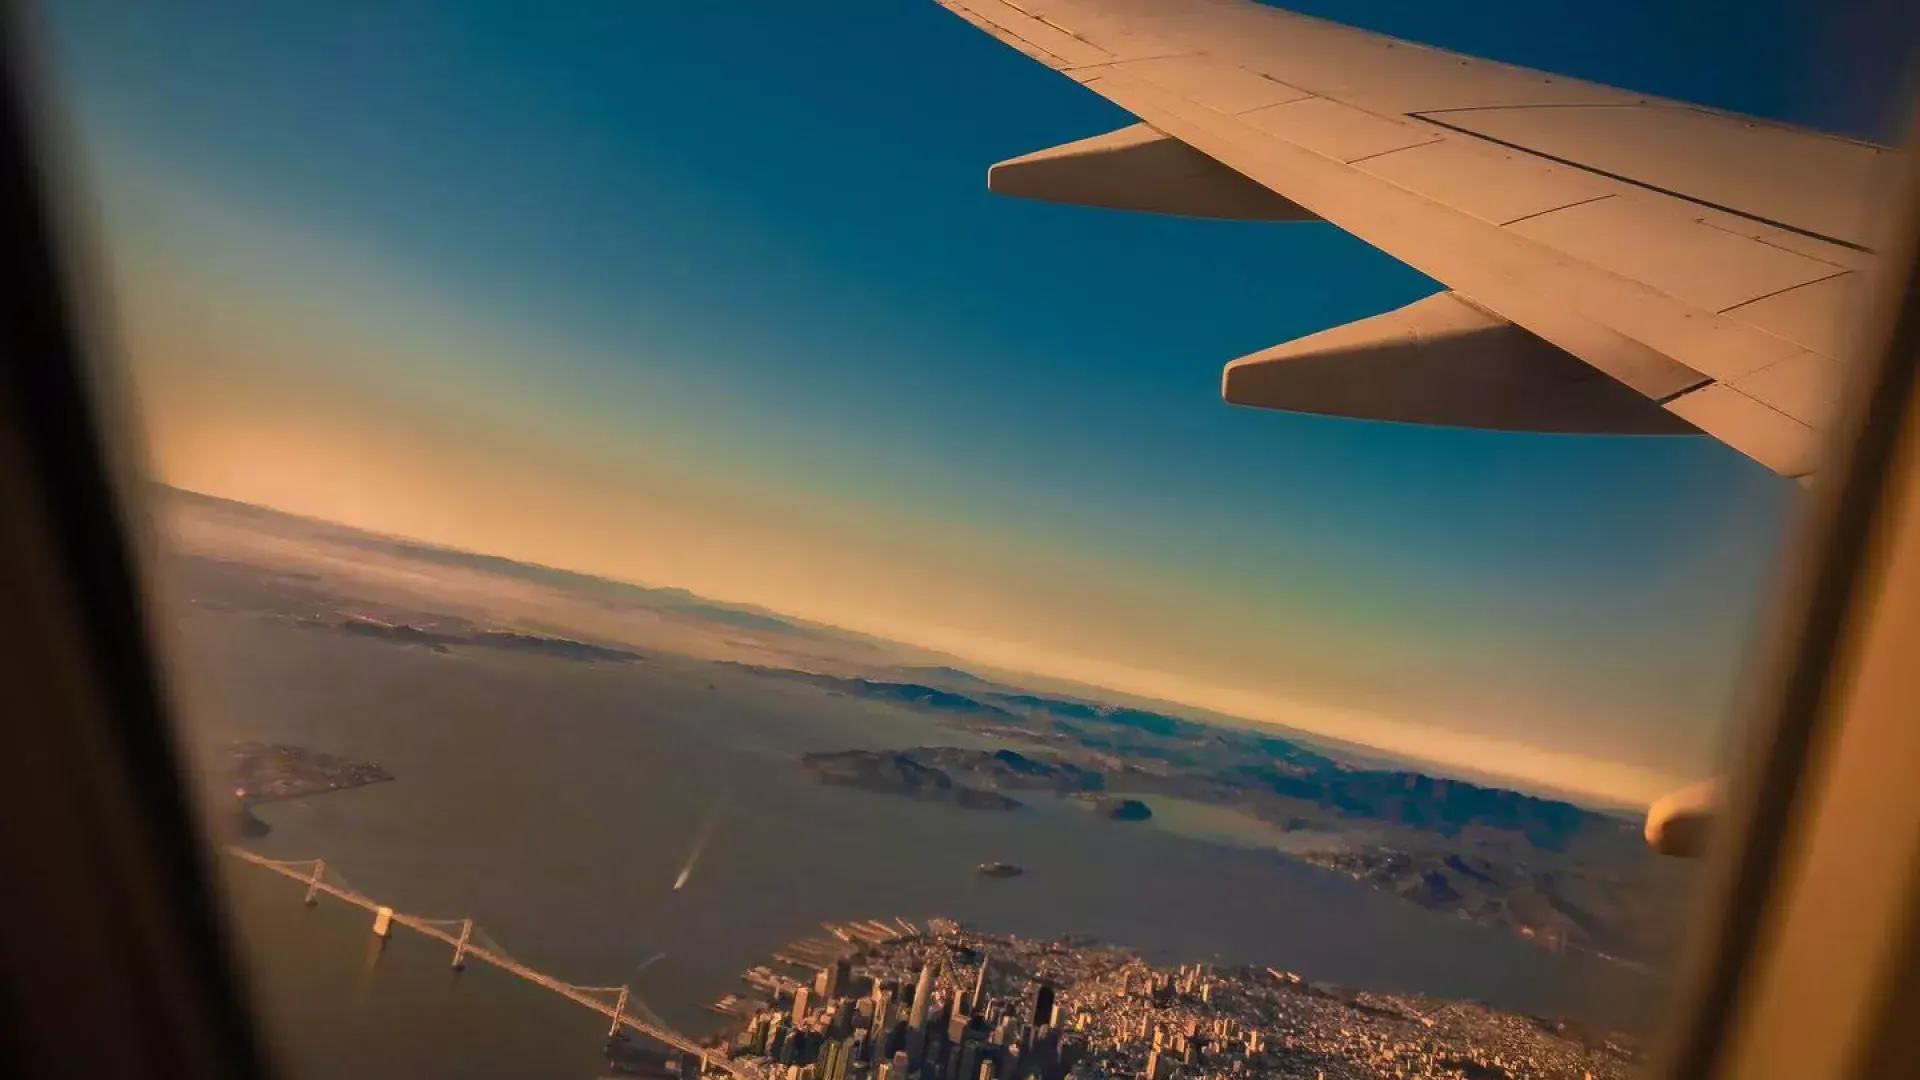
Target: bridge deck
{"x": 582, "y": 995}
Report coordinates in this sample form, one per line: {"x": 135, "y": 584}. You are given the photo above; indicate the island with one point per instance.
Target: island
{"x": 901, "y": 773}
{"x": 994, "y": 869}
{"x": 1118, "y": 809}
{"x": 262, "y": 772}
{"x": 268, "y": 772}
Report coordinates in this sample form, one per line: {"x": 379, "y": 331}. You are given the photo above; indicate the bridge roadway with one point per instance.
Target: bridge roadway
{"x": 711, "y": 1057}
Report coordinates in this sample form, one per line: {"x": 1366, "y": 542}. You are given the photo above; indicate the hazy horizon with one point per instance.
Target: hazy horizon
{"x": 1465, "y": 756}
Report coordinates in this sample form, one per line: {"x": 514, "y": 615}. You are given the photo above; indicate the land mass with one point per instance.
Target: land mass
{"x": 1118, "y": 809}
{"x": 901, "y": 774}
{"x": 503, "y": 640}
{"x": 1105, "y": 1011}
{"x": 1544, "y": 867}
{"x": 259, "y": 772}
{"x": 267, "y": 772}
{"x": 1552, "y": 872}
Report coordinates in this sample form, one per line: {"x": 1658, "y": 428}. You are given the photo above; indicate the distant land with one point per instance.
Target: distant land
{"x": 1545, "y": 869}
{"x": 505, "y": 640}
{"x": 664, "y": 598}
{"x": 806, "y": 645}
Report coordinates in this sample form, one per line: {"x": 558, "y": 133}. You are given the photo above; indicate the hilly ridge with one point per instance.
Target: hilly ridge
{"x": 1549, "y": 870}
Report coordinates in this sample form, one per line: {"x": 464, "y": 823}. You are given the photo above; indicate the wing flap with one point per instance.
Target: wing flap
{"x": 1341, "y": 132}
{"x": 1499, "y": 189}
{"x": 1805, "y": 386}
{"x": 1759, "y": 431}
{"x": 1816, "y": 183}
{"x": 1706, "y": 267}
{"x": 1820, "y": 315}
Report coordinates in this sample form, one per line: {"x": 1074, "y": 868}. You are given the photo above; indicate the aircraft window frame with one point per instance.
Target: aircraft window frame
{"x": 98, "y": 777}
{"x": 1769, "y": 959}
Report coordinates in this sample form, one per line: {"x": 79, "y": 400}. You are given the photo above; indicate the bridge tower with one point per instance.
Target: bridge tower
{"x": 460, "y": 947}
{"x": 313, "y": 883}
{"x": 619, "y": 1008}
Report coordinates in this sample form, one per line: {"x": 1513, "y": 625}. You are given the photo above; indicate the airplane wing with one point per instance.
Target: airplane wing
{"x": 1612, "y": 262}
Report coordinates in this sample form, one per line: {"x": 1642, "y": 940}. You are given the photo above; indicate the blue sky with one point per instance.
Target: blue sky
{"x": 713, "y": 295}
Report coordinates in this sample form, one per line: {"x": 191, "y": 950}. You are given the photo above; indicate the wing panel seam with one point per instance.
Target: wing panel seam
{"x": 1557, "y": 209}
{"x": 1644, "y": 186}
{"x": 1838, "y": 271}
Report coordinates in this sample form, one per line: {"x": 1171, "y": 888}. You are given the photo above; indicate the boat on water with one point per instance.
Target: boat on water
{"x": 998, "y": 869}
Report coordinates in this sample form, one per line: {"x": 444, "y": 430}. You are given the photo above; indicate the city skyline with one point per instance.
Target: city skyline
{"x": 1080, "y": 1008}
{"x": 775, "y": 344}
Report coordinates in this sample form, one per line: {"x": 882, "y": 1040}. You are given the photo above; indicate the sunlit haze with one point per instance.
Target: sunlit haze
{"x": 595, "y": 294}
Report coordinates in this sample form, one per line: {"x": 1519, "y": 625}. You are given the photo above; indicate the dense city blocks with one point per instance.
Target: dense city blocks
{"x": 954, "y": 1003}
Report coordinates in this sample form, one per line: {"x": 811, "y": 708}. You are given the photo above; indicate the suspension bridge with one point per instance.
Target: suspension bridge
{"x": 626, "y": 1011}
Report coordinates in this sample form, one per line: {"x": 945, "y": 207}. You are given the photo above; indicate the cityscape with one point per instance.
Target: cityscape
{"x": 954, "y": 1003}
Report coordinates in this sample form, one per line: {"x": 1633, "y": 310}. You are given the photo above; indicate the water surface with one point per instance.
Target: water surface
{"x": 556, "y": 803}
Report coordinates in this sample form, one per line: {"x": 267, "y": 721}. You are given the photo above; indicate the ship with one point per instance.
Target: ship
{"x": 998, "y": 869}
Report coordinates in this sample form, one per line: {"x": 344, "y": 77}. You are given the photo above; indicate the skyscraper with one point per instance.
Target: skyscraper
{"x": 922, "y": 997}
{"x": 980, "y": 984}
{"x": 880, "y": 1036}
{"x": 832, "y": 980}
{"x": 1043, "y": 1006}
{"x": 842, "y": 1024}
{"x": 800, "y": 1004}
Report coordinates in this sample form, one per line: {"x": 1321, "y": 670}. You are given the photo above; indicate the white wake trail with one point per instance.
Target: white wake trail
{"x": 700, "y": 843}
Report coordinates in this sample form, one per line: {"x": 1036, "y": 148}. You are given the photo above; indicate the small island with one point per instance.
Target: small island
{"x": 267, "y": 772}
{"x": 998, "y": 870}
{"x": 261, "y": 772}
{"x": 1115, "y": 809}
